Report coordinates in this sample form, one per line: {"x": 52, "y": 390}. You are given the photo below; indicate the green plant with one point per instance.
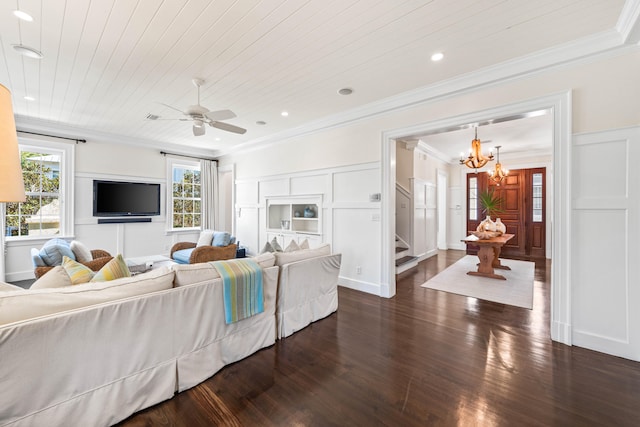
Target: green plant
{"x": 491, "y": 203}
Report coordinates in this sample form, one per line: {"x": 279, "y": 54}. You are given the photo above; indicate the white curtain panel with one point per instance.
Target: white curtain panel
{"x": 209, "y": 175}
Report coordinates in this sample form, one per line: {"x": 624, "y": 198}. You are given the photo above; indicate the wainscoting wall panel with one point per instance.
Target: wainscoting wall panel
{"x": 350, "y": 221}
{"x": 605, "y": 251}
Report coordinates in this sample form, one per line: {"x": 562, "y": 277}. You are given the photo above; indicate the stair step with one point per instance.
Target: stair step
{"x": 405, "y": 260}
{"x": 406, "y": 263}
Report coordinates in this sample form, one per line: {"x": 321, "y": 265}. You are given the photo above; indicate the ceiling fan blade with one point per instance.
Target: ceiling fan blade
{"x": 220, "y": 115}
{"x": 173, "y": 108}
{"x": 198, "y": 130}
{"x": 228, "y": 127}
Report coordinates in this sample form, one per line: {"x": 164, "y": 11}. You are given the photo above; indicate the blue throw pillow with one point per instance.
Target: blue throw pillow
{"x": 221, "y": 238}
{"x": 35, "y": 258}
{"x": 53, "y": 251}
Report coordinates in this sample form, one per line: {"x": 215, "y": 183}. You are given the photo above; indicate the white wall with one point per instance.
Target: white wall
{"x": 606, "y": 231}
{"x": 350, "y": 221}
{"x": 603, "y": 96}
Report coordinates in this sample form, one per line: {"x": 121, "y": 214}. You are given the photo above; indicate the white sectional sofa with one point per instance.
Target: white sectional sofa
{"x": 94, "y": 354}
{"x": 69, "y": 363}
{"x": 307, "y": 287}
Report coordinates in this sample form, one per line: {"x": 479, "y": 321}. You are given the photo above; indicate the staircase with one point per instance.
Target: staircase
{"x": 404, "y": 261}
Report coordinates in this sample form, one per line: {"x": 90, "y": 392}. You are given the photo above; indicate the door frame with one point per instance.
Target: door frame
{"x": 560, "y": 105}
{"x": 442, "y": 179}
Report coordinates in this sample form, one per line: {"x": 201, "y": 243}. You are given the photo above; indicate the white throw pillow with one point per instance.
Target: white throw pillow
{"x": 205, "y": 239}
{"x": 82, "y": 253}
{"x": 267, "y": 248}
{"x": 283, "y": 258}
{"x": 57, "y": 277}
{"x": 304, "y": 244}
{"x": 292, "y": 247}
{"x": 275, "y": 245}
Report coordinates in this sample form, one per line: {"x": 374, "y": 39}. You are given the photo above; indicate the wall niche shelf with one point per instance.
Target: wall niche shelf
{"x": 294, "y": 218}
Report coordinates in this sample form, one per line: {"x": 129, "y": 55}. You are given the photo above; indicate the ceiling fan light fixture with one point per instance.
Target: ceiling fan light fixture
{"x": 27, "y": 51}
{"x": 198, "y": 123}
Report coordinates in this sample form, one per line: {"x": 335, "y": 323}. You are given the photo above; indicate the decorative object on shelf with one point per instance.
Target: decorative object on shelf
{"x": 309, "y": 212}
{"x": 498, "y": 174}
{"x": 284, "y": 224}
{"x": 476, "y": 159}
{"x": 500, "y": 226}
{"x": 297, "y": 214}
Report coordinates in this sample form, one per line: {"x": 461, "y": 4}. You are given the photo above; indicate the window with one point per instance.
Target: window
{"x": 186, "y": 194}
{"x": 537, "y": 197}
{"x": 473, "y": 199}
{"x": 46, "y": 181}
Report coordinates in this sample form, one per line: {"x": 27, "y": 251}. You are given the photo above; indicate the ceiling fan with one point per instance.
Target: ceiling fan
{"x": 201, "y": 116}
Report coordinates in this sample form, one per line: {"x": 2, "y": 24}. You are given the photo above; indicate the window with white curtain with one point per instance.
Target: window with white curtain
{"x": 184, "y": 194}
{"x": 47, "y": 170}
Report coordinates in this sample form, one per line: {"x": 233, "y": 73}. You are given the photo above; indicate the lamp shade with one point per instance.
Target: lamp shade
{"x": 11, "y": 183}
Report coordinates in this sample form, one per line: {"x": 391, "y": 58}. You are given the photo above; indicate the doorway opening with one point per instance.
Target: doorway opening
{"x": 558, "y": 106}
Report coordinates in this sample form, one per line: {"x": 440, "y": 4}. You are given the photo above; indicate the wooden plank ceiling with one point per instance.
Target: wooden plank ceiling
{"x": 109, "y": 63}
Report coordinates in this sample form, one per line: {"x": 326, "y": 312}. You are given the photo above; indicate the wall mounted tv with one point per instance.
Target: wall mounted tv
{"x": 120, "y": 198}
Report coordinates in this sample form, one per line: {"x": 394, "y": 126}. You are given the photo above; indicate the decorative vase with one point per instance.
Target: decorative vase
{"x": 309, "y": 212}
{"x": 500, "y": 226}
{"x": 487, "y": 225}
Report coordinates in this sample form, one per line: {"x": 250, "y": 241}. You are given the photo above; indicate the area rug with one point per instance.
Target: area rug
{"x": 517, "y": 290}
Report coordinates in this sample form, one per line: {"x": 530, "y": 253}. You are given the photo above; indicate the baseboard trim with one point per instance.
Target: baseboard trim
{"x": 561, "y": 332}
{"x": 19, "y": 275}
{"x": 358, "y": 285}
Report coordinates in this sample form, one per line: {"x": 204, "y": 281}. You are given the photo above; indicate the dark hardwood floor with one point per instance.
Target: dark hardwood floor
{"x": 421, "y": 358}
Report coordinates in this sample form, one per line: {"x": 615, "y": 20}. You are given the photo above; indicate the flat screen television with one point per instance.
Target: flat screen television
{"x": 120, "y": 198}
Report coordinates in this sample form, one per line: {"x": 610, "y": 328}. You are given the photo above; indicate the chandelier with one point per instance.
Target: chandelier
{"x": 476, "y": 159}
{"x": 498, "y": 174}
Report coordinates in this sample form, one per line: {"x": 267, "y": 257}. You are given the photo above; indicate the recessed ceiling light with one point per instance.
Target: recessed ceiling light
{"x": 284, "y": 114}
{"x": 217, "y": 139}
{"x": 28, "y": 51}
{"x": 261, "y": 123}
{"x": 437, "y": 56}
{"x": 29, "y": 98}
{"x": 345, "y": 91}
{"x": 23, "y": 15}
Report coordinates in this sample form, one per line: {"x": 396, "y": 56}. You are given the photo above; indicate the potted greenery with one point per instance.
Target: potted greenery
{"x": 491, "y": 203}
{"x": 491, "y": 206}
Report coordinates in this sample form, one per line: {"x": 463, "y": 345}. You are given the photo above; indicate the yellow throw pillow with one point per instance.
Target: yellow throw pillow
{"x": 77, "y": 272}
{"x": 114, "y": 269}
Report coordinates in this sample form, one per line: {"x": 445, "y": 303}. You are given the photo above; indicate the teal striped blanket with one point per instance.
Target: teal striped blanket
{"x": 242, "y": 288}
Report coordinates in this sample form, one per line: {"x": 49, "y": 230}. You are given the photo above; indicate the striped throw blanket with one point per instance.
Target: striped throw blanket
{"x": 242, "y": 288}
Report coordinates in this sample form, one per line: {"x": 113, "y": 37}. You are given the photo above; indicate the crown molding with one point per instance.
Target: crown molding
{"x": 629, "y": 22}
{"x": 585, "y": 49}
{"x": 30, "y": 124}
{"x": 437, "y": 154}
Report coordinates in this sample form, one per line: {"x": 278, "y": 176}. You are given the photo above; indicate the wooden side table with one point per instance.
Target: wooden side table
{"x": 488, "y": 255}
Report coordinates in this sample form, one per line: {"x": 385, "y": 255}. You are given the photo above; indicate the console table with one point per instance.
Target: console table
{"x": 488, "y": 255}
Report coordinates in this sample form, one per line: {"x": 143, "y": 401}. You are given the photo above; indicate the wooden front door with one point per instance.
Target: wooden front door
{"x": 523, "y": 194}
